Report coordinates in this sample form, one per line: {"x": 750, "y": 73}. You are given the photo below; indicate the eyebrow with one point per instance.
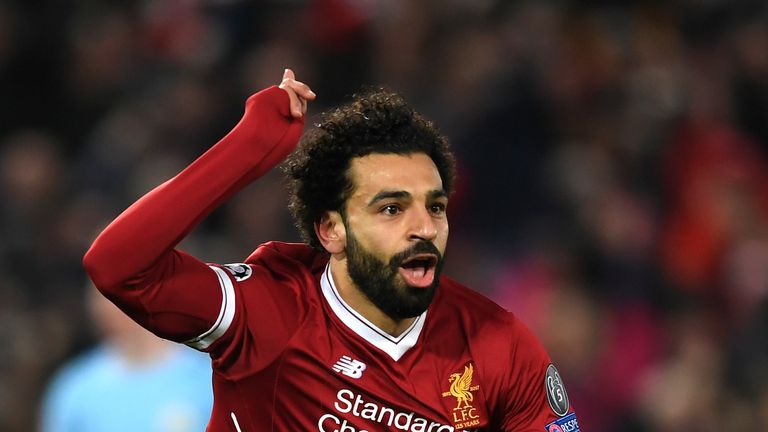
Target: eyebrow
{"x": 437, "y": 193}
{"x": 433, "y": 194}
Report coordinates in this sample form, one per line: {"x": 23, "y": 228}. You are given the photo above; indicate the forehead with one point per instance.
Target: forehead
{"x": 414, "y": 173}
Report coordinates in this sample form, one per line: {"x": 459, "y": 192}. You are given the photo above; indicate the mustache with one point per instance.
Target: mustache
{"x": 418, "y": 248}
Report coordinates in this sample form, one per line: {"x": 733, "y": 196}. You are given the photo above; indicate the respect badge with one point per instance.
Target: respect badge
{"x": 564, "y": 424}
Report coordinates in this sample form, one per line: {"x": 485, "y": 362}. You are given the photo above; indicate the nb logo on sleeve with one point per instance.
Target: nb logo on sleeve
{"x": 349, "y": 367}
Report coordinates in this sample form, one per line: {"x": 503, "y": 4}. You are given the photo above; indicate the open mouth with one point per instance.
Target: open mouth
{"x": 419, "y": 270}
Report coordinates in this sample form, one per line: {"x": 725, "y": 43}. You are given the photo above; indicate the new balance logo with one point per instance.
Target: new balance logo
{"x": 350, "y": 367}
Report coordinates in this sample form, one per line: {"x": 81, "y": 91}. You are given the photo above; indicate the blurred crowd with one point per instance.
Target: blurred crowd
{"x": 612, "y": 156}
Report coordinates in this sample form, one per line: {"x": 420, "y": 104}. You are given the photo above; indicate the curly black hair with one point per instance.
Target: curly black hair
{"x": 378, "y": 121}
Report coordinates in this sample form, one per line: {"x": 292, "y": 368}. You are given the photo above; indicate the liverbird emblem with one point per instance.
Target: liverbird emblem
{"x": 462, "y": 388}
{"x": 465, "y": 415}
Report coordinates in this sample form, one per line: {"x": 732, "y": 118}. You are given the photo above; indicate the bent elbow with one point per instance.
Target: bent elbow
{"x": 97, "y": 266}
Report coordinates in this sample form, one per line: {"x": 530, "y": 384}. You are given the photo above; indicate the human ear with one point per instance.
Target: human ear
{"x": 331, "y": 232}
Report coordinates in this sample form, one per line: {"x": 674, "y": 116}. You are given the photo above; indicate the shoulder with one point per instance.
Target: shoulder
{"x": 89, "y": 363}
{"x": 276, "y": 263}
{"x": 491, "y": 330}
{"x": 277, "y": 269}
{"x": 79, "y": 374}
{"x": 266, "y": 298}
{"x": 288, "y": 258}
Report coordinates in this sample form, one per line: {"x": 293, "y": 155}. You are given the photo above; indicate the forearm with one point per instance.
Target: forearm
{"x": 154, "y": 224}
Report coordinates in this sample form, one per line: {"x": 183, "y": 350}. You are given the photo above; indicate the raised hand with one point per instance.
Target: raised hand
{"x": 299, "y": 93}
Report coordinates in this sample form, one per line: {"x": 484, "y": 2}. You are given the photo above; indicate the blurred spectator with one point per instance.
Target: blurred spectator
{"x": 133, "y": 381}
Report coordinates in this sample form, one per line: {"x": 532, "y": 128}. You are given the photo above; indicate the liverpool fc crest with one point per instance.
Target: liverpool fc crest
{"x": 464, "y": 414}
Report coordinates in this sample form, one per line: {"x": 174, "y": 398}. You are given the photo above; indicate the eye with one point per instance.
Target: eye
{"x": 437, "y": 208}
{"x": 391, "y": 209}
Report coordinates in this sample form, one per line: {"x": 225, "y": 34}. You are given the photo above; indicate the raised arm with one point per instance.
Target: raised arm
{"x": 153, "y": 225}
{"x": 136, "y": 250}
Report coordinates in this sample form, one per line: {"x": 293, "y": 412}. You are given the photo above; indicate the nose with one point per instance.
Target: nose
{"x": 423, "y": 226}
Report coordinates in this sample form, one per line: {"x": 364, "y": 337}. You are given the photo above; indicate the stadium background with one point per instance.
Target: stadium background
{"x": 612, "y": 156}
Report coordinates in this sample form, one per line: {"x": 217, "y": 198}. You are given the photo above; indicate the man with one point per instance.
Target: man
{"x": 356, "y": 331}
{"x": 130, "y": 370}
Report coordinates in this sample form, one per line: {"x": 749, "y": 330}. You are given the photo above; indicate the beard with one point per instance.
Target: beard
{"x": 379, "y": 281}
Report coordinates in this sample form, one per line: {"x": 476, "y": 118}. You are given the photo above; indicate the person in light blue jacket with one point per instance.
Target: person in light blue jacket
{"x": 133, "y": 381}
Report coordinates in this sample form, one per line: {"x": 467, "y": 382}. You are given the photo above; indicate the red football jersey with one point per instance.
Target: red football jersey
{"x": 288, "y": 353}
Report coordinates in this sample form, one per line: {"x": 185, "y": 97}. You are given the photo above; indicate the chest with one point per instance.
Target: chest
{"x": 331, "y": 379}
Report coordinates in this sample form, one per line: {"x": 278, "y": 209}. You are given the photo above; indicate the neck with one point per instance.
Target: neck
{"x": 354, "y": 298}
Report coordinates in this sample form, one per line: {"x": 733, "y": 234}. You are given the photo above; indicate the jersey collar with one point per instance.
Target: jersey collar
{"x": 395, "y": 347}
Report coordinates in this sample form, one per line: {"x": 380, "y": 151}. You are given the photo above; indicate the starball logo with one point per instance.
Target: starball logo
{"x": 464, "y": 415}
{"x": 556, "y": 394}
